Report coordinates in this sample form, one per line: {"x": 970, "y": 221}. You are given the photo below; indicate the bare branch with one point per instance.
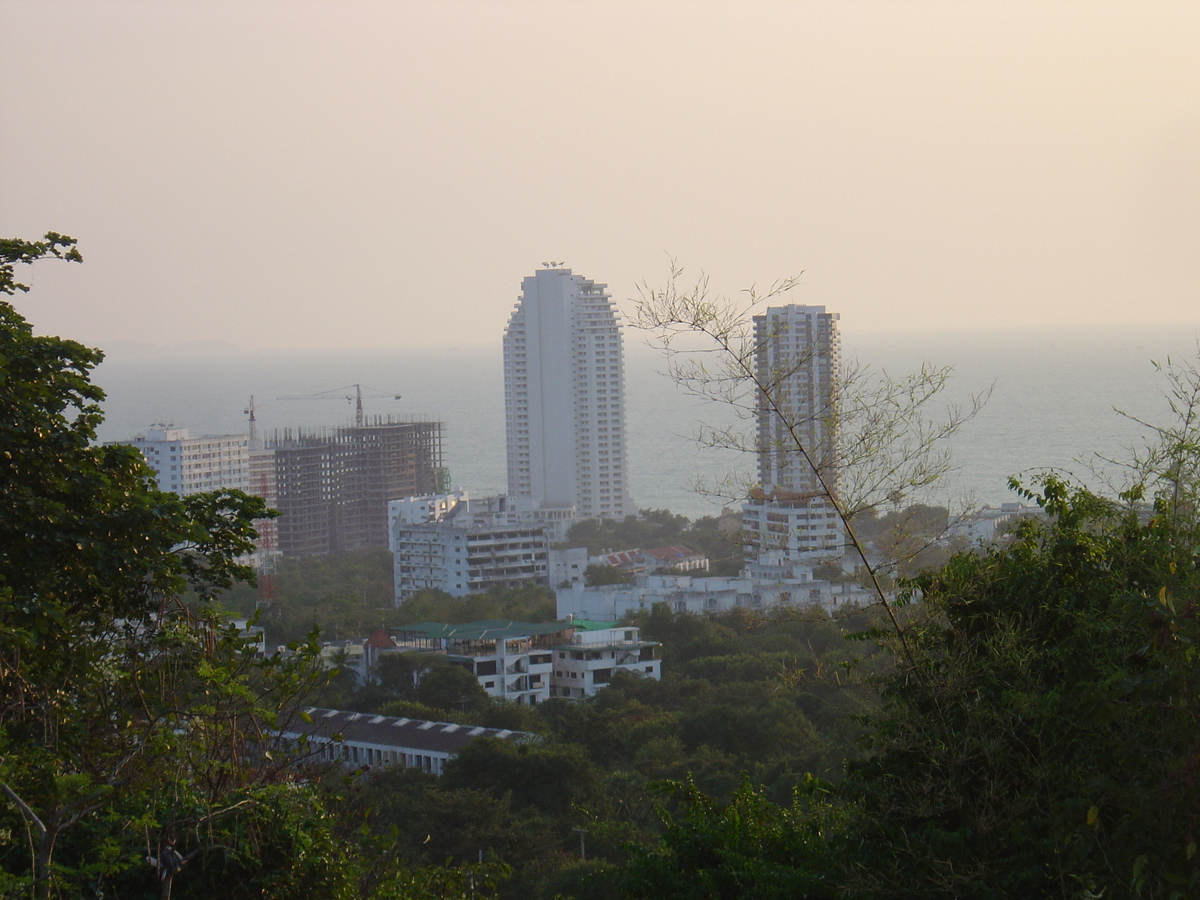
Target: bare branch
{"x": 888, "y": 443}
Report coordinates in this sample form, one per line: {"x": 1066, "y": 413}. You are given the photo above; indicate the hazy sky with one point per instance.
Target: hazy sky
{"x": 366, "y": 173}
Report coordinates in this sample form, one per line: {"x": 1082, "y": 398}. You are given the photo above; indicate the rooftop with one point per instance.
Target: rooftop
{"x": 392, "y": 731}
{"x": 483, "y": 630}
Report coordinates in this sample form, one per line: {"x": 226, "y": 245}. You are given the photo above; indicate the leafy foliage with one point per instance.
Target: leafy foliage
{"x": 747, "y": 847}
{"x": 139, "y": 735}
{"x": 1044, "y": 741}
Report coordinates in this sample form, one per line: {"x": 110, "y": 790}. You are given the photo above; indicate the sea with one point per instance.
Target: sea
{"x": 1064, "y": 400}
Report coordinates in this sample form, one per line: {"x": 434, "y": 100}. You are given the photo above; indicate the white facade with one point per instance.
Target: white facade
{"x": 589, "y": 662}
{"x": 511, "y": 660}
{"x": 786, "y": 584}
{"x": 526, "y": 663}
{"x": 568, "y": 566}
{"x": 186, "y": 465}
{"x": 797, "y": 354}
{"x": 360, "y": 740}
{"x": 564, "y": 396}
{"x": 984, "y": 526}
{"x": 451, "y": 543}
{"x": 805, "y": 529}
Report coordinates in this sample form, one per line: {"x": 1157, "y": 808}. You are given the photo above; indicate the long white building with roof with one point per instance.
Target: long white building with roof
{"x": 359, "y": 739}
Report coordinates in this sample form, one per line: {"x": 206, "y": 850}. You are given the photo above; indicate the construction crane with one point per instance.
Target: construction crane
{"x": 249, "y": 411}
{"x": 340, "y": 394}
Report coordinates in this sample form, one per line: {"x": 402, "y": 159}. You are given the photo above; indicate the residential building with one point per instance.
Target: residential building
{"x": 657, "y": 559}
{"x": 333, "y": 486}
{"x": 528, "y": 663}
{"x": 512, "y": 660}
{"x": 597, "y": 651}
{"x": 567, "y": 566}
{"x": 762, "y": 586}
{"x": 564, "y": 396}
{"x": 361, "y": 739}
{"x": 186, "y": 465}
{"x": 456, "y": 544}
{"x": 985, "y": 525}
{"x": 262, "y": 484}
{"x": 797, "y": 350}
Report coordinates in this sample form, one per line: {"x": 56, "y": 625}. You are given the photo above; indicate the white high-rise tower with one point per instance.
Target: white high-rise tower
{"x": 564, "y": 396}
{"x": 797, "y": 351}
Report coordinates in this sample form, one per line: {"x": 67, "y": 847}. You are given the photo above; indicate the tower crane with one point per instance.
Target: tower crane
{"x": 340, "y": 394}
{"x": 249, "y": 411}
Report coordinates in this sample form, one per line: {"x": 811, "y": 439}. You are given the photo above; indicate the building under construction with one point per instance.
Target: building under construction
{"x": 332, "y": 486}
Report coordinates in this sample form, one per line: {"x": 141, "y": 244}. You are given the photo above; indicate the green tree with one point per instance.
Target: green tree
{"x": 113, "y": 692}
{"x": 601, "y": 575}
{"x": 446, "y": 685}
{"x": 434, "y": 823}
{"x": 546, "y": 778}
{"x": 746, "y": 848}
{"x": 1041, "y": 741}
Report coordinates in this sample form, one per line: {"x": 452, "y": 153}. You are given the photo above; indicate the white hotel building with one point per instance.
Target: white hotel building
{"x": 564, "y": 397}
{"x": 186, "y": 465}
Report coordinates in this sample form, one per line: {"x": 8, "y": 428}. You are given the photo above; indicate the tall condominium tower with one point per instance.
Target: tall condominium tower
{"x": 564, "y": 396}
{"x": 796, "y": 357}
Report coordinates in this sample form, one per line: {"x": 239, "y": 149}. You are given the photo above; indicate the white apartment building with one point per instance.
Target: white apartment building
{"x": 511, "y": 660}
{"x": 761, "y": 586}
{"x": 595, "y": 653}
{"x": 528, "y": 663}
{"x": 797, "y": 356}
{"x": 564, "y": 396}
{"x": 186, "y": 465}
{"x": 451, "y": 543}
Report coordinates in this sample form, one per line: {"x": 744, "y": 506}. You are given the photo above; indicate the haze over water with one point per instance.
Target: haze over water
{"x": 1052, "y": 403}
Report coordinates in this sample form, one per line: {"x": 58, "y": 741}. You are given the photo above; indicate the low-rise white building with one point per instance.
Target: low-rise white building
{"x": 511, "y": 660}
{"x": 656, "y": 559}
{"x": 360, "y": 739}
{"x": 805, "y": 528}
{"x": 567, "y": 566}
{"x": 529, "y": 663}
{"x": 596, "y": 652}
{"x": 760, "y": 586}
{"x": 682, "y": 593}
{"x": 984, "y": 525}
{"x": 451, "y": 543}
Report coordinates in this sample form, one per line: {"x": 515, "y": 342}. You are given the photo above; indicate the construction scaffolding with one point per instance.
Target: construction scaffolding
{"x": 333, "y": 485}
